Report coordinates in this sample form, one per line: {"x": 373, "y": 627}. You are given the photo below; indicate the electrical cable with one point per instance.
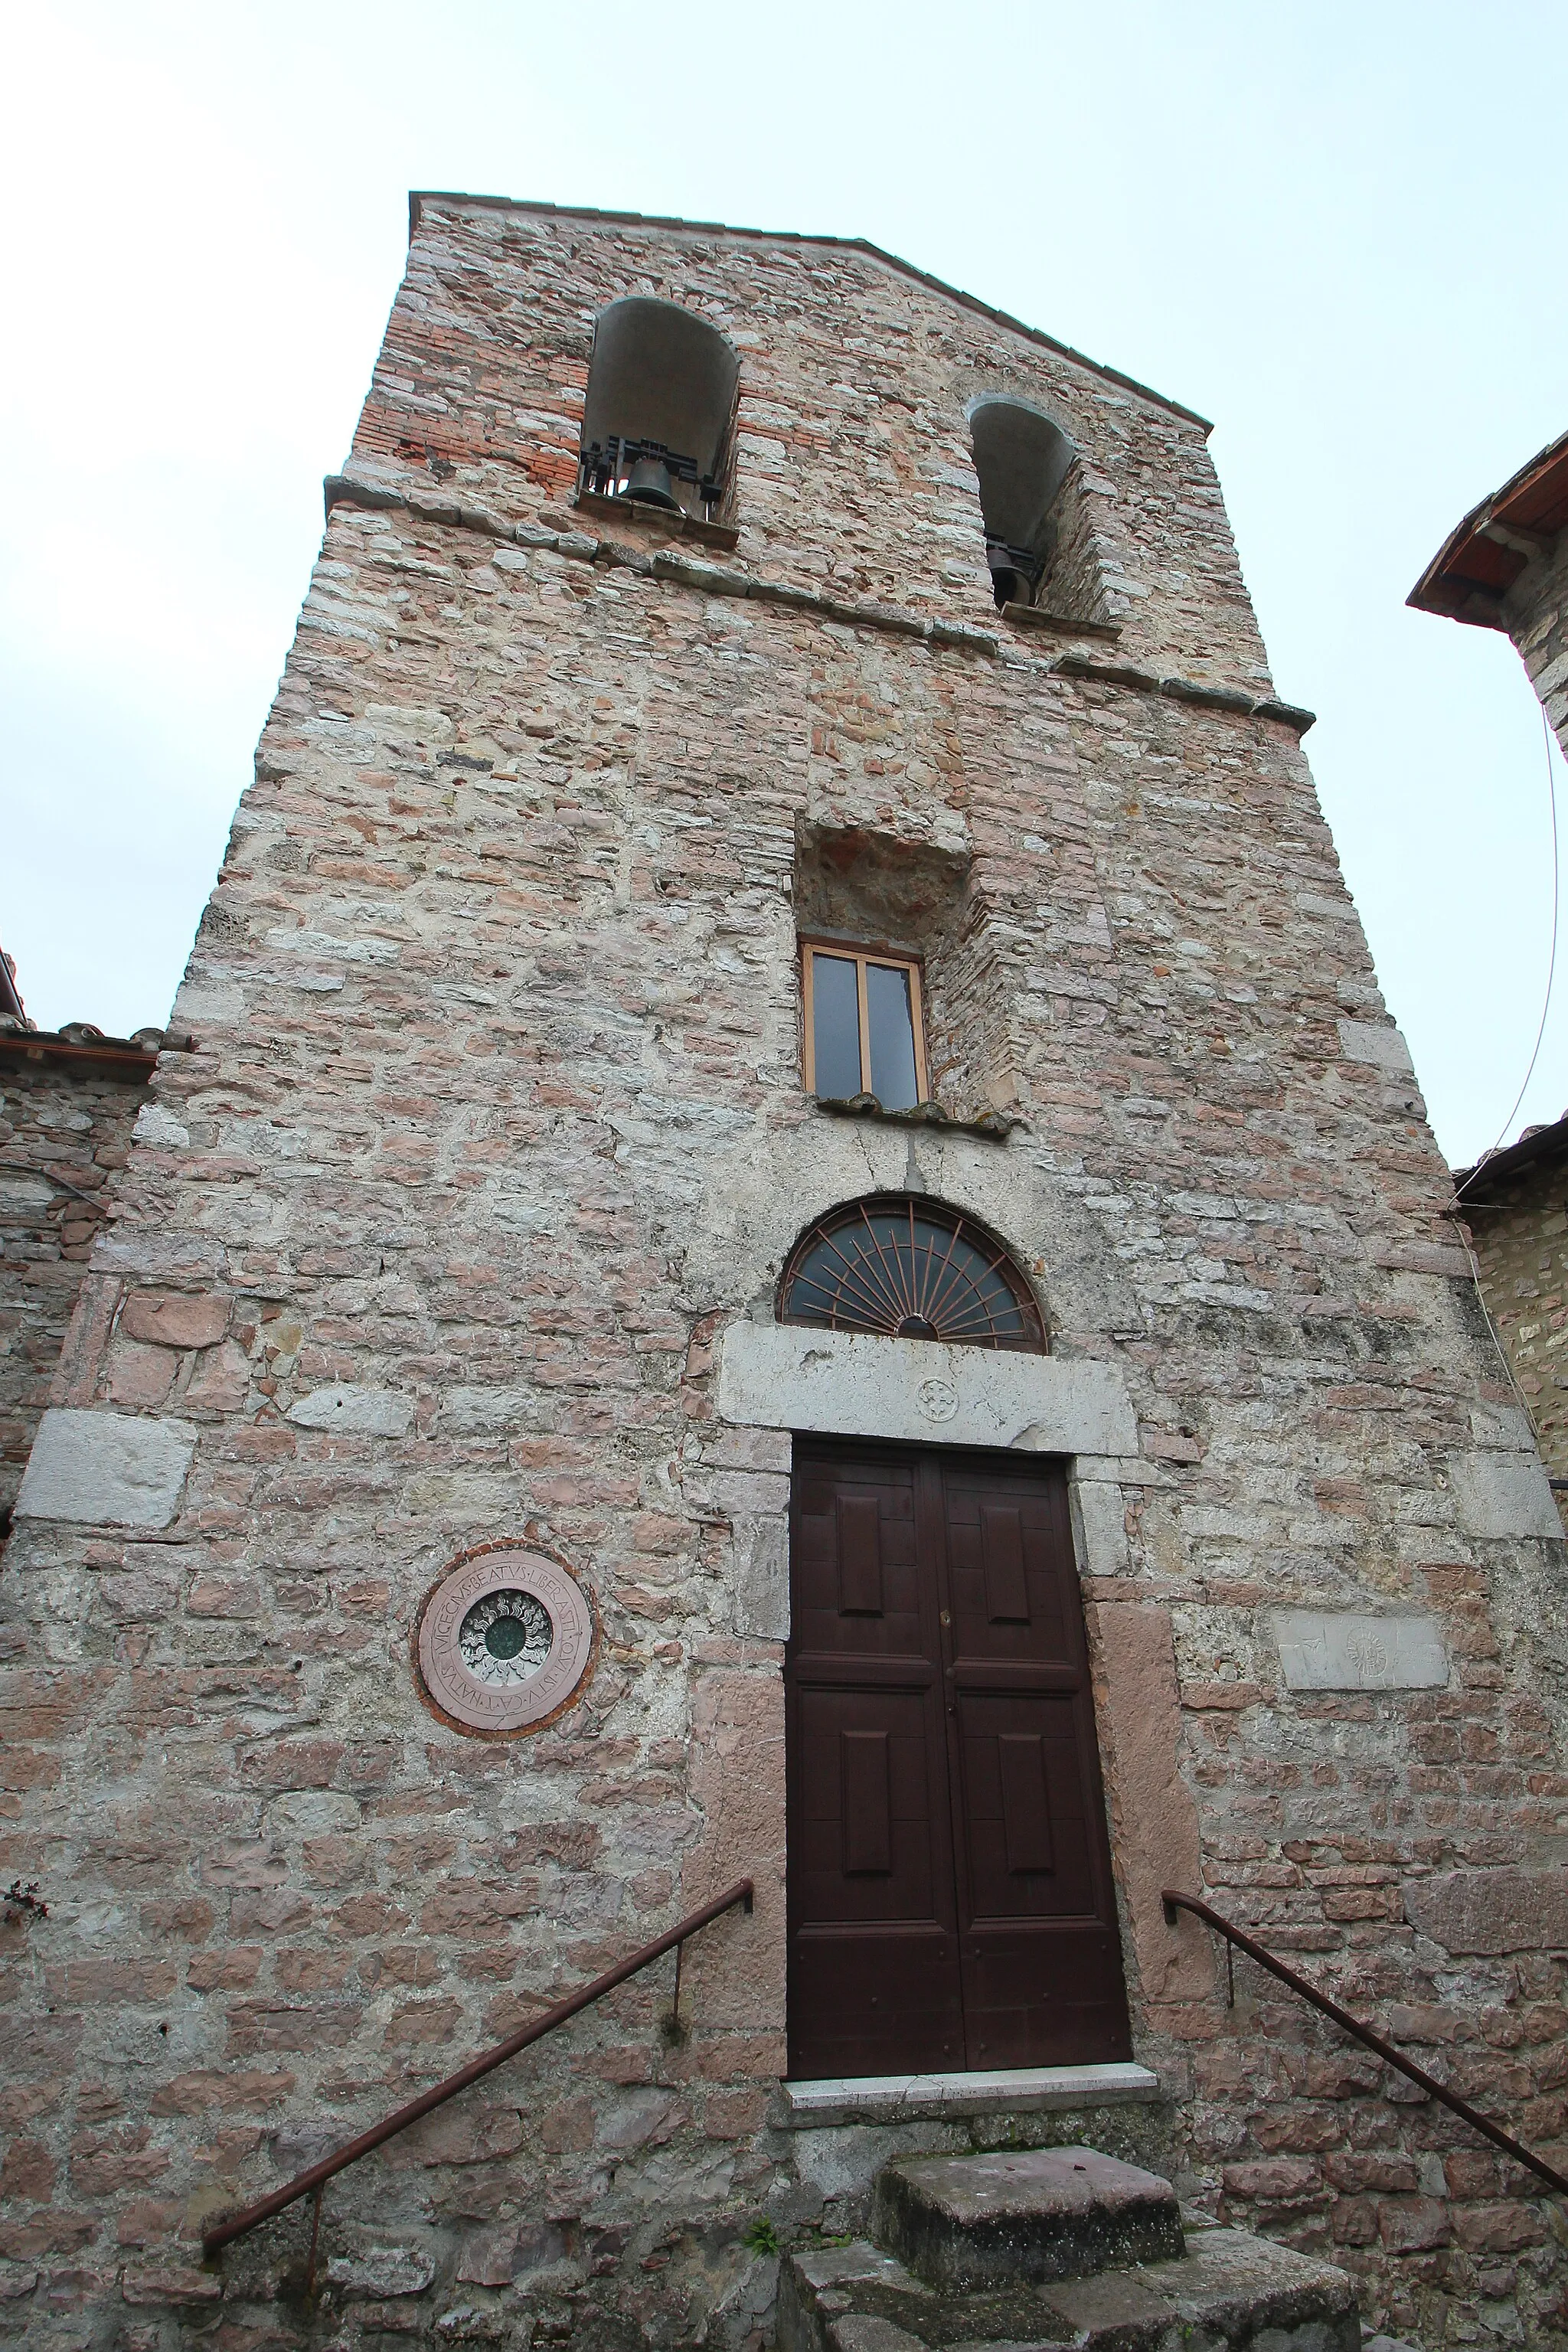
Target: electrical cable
{"x": 1460, "y": 1189}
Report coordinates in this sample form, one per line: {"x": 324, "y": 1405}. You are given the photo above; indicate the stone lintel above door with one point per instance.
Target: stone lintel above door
{"x": 848, "y": 1385}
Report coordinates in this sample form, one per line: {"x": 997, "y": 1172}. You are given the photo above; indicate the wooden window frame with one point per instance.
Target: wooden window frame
{"x": 861, "y": 954}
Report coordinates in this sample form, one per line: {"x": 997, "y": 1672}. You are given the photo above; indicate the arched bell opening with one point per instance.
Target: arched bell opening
{"x": 662, "y": 392}
{"x": 1023, "y": 460}
{"x": 908, "y": 1267}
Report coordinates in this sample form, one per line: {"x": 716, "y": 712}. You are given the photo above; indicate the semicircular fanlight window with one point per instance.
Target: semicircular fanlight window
{"x": 910, "y": 1270}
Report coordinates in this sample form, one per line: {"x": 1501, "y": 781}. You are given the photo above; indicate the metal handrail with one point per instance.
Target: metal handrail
{"x": 1363, "y": 2033}
{"x": 235, "y": 2225}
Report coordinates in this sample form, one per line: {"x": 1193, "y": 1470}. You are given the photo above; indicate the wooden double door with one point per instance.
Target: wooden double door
{"x": 950, "y": 1889}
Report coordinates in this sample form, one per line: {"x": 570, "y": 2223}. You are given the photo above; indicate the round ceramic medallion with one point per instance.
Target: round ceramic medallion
{"x": 504, "y": 1641}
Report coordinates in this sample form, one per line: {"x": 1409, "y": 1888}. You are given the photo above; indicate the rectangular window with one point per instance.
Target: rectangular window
{"x": 863, "y": 1026}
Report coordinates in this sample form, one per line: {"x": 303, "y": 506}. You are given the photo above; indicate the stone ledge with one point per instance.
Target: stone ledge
{"x": 712, "y": 580}
{"x": 678, "y": 526}
{"x": 1184, "y": 689}
{"x": 995, "y": 1126}
{"x": 937, "y": 2099}
{"x": 1034, "y": 616}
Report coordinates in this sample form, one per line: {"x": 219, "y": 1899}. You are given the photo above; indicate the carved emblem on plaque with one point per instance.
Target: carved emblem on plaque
{"x": 937, "y": 1399}
{"x": 504, "y": 1642}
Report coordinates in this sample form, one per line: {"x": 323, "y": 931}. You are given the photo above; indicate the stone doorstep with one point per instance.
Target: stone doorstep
{"x": 1230, "y": 2292}
{"x": 948, "y": 2098}
{"x": 966, "y": 2223}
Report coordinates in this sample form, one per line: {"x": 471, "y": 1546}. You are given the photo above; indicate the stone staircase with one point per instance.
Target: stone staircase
{"x": 1047, "y": 2246}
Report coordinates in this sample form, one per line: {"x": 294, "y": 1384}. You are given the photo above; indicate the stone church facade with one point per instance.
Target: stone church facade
{"x": 470, "y": 1235}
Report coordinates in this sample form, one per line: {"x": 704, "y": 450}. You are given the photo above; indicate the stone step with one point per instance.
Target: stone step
{"x": 843, "y": 2132}
{"x": 1022, "y": 2217}
{"x": 1230, "y": 2292}
{"x": 1009, "y": 2093}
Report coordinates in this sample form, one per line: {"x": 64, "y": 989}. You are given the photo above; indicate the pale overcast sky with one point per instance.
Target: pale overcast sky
{"x": 1336, "y": 230}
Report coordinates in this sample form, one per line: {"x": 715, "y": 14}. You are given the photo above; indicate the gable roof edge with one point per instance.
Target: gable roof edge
{"x": 418, "y": 197}
{"x": 1444, "y": 587}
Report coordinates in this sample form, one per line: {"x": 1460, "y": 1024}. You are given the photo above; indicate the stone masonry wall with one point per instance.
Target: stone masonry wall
{"x": 491, "y": 1130}
{"x": 1537, "y": 613}
{"x": 65, "y": 1128}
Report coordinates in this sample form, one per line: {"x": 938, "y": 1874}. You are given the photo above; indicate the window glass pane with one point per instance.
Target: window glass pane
{"x": 836, "y": 1040}
{"x": 892, "y": 1037}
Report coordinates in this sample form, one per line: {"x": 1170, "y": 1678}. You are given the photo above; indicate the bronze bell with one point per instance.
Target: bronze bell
{"x": 1010, "y": 584}
{"x": 649, "y": 481}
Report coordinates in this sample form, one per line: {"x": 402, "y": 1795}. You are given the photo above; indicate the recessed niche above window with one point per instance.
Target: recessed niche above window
{"x": 900, "y": 1014}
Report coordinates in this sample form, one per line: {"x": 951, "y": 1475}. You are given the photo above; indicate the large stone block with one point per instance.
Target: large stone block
{"x": 369, "y": 1412}
{"x": 1378, "y": 1043}
{"x": 1153, "y": 1820}
{"x": 1099, "y": 1527}
{"x": 106, "y": 1469}
{"x": 967, "y": 2222}
{"x": 1491, "y": 1911}
{"x": 172, "y": 1318}
{"x": 1502, "y": 1495}
{"x": 762, "y": 1578}
{"x": 787, "y": 1376}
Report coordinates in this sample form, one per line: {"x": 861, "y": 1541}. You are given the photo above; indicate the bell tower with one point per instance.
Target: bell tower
{"x": 786, "y": 1239}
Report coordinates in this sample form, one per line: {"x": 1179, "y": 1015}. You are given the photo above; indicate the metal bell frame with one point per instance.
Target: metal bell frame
{"x": 644, "y": 472}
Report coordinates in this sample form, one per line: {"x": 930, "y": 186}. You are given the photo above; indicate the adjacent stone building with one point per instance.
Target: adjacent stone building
{"x": 1515, "y": 1203}
{"x": 787, "y": 1239}
{"x": 68, "y": 1101}
{"x": 1506, "y": 567}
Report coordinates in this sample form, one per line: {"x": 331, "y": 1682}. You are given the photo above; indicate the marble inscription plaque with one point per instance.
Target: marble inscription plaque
{"x": 1323, "y": 1651}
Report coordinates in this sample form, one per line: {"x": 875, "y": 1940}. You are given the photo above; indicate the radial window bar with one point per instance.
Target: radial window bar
{"x": 910, "y": 1270}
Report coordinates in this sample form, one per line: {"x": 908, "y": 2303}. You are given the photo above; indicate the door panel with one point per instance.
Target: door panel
{"x": 874, "y": 1979}
{"x": 855, "y": 1588}
{"x": 1002, "y": 1563}
{"x": 859, "y": 1555}
{"x": 1026, "y": 1804}
{"x": 950, "y": 1897}
{"x": 1008, "y": 1547}
{"x": 1040, "y": 1949}
{"x": 1029, "y": 1847}
{"x": 848, "y": 1737}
